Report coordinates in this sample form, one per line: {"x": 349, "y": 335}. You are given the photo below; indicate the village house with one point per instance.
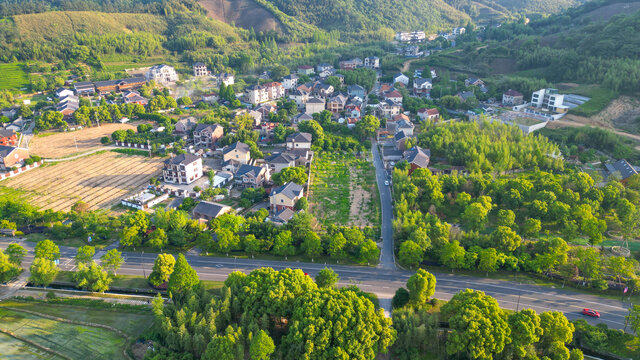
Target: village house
{"x": 418, "y": 158}
{"x": 322, "y": 67}
{"x": 464, "y": 95}
{"x": 133, "y": 97}
{"x": 68, "y": 105}
{"x": 10, "y": 113}
{"x": 512, "y": 98}
{"x": 299, "y": 140}
{"x": 302, "y": 117}
{"x": 182, "y": 169}
{"x": 226, "y": 79}
{"x": 162, "y": 74}
{"x": 473, "y": 82}
{"x": 388, "y": 108}
{"x": 257, "y": 117}
{"x": 210, "y": 97}
{"x": 285, "y": 196}
{"x": 279, "y": 161}
{"x": 84, "y": 88}
{"x": 290, "y": 81}
{"x": 275, "y": 90}
{"x": 11, "y": 156}
{"x": 351, "y": 64}
{"x": 622, "y": 169}
{"x": 251, "y": 176}
{"x": 314, "y": 105}
{"x": 238, "y": 152}
{"x": 282, "y": 217}
{"x": 185, "y": 125}
{"x": 405, "y": 126}
{"x": 401, "y": 78}
{"x": 266, "y": 109}
{"x": 206, "y": 135}
{"x": 64, "y": 92}
{"x": 394, "y": 96}
{"x": 337, "y": 103}
{"x": 422, "y": 87}
{"x": 256, "y": 94}
{"x": 305, "y": 70}
{"x": 108, "y": 86}
{"x": 372, "y": 62}
{"x": 428, "y": 114}
{"x": 8, "y": 137}
{"x": 200, "y": 69}
{"x": 323, "y": 90}
{"x": 356, "y": 90}
{"x": 300, "y": 97}
{"x": 400, "y": 139}
{"x": 209, "y": 210}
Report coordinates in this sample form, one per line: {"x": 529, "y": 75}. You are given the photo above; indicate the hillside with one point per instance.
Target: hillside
{"x": 537, "y": 6}
{"x": 353, "y": 16}
{"x": 246, "y": 14}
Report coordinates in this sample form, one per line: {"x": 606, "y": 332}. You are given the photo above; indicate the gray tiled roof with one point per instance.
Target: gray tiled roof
{"x": 182, "y": 159}
{"x": 210, "y": 209}
{"x": 290, "y": 190}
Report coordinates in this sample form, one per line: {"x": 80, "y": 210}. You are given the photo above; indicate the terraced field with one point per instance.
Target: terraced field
{"x": 13, "y": 76}
{"x": 100, "y": 180}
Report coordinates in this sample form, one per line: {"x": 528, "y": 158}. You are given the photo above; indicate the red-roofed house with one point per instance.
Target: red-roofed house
{"x": 431, "y": 114}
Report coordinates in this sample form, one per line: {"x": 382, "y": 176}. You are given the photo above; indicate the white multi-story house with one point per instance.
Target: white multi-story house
{"x": 372, "y": 62}
{"x": 548, "y": 99}
{"x": 182, "y": 169}
{"x": 275, "y": 90}
{"x": 162, "y": 74}
{"x": 422, "y": 86}
{"x": 300, "y": 97}
{"x": 401, "y": 78}
{"x": 256, "y": 94}
{"x": 290, "y": 81}
{"x": 314, "y": 105}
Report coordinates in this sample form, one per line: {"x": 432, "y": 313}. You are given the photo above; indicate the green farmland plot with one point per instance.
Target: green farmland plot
{"x": 74, "y": 341}
{"x": 11, "y": 348}
{"x": 343, "y": 190}
{"x": 13, "y": 76}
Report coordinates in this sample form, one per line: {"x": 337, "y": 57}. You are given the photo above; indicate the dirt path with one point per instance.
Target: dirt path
{"x": 407, "y": 64}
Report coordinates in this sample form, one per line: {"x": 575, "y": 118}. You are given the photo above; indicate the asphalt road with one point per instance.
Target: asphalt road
{"x": 384, "y": 282}
{"x": 387, "y": 259}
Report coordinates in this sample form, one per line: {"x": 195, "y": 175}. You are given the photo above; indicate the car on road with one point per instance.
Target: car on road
{"x": 386, "y": 182}
{"x": 590, "y": 312}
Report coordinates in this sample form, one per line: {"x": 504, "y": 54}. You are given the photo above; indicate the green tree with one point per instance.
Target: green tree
{"x": 85, "y": 254}
{"x": 16, "y": 253}
{"x": 488, "y": 260}
{"x": 295, "y": 173}
{"x": 555, "y": 329}
{"x": 261, "y": 346}
{"x": 112, "y": 260}
{"x": 43, "y": 271}
{"x": 400, "y": 298}
{"x": 410, "y": 254}
{"x": 8, "y": 269}
{"x": 367, "y": 126}
{"x": 620, "y": 267}
{"x": 505, "y": 239}
{"x": 92, "y": 277}
{"x": 633, "y": 318}
{"x": 525, "y": 331}
{"x": 422, "y": 286}
{"x": 283, "y": 244}
{"x": 478, "y": 326}
{"x": 252, "y": 245}
{"x": 312, "y": 245}
{"x": 369, "y": 252}
{"x": 162, "y": 268}
{"x": 47, "y": 249}
{"x": 506, "y": 218}
{"x": 302, "y": 204}
{"x": 589, "y": 263}
{"x": 183, "y": 277}
{"x": 452, "y": 255}
{"x": 327, "y": 278}
{"x": 531, "y": 227}
{"x": 335, "y": 246}
{"x": 158, "y": 239}
{"x": 475, "y": 216}
{"x": 227, "y": 346}
{"x": 338, "y": 315}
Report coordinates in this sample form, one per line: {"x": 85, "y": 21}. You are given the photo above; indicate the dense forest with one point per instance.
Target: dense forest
{"x": 16, "y": 7}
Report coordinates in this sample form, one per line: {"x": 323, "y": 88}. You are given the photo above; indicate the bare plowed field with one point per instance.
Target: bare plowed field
{"x": 63, "y": 144}
{"x": 99, "y": 180}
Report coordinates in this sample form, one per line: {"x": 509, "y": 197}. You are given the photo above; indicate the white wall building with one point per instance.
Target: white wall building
{"x": 162, "y": 74}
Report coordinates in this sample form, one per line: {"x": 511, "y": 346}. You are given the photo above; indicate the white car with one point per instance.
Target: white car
{"x": 386, "y": 182}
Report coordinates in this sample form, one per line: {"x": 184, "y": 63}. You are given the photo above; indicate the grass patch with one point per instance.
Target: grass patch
{"x": 600, "y": 98}
{"x": 132, "y": 152}
{"x": 13, "y": 76}
{"x": 12, "y": 348}
{"x": 72, "y": 242}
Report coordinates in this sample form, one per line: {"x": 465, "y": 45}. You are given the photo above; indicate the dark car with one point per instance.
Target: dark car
{"x": 590, "y": 312}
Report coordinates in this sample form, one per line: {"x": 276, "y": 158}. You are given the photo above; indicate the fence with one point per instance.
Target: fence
{"x": 140, "y": 146}
{"x": 13, "y": 173}
{"x": 176, "y": 192}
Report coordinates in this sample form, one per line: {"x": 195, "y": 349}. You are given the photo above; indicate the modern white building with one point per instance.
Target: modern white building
{"x": 290, "y": 81}
{"x": 548, "y": 99}
{"x": 200, "y": 69}
{"x": 162, "y": 74}
{"x": 182, "y": 169}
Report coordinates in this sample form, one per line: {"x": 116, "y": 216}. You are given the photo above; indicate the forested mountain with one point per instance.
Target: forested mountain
{"x": 366, "y": 15}
{"x": 535, "y": 6}
{"x": 17, "y": 7}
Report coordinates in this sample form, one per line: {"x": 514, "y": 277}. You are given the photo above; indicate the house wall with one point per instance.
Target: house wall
{"x": 243, "y": 158}
{"x": 15, "y": 157}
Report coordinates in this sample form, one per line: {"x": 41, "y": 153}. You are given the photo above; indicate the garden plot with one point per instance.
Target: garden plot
{"x": 74, "y": 341}
{"x": 343, "y": 191}
{"x": 100, "y": 180}
{"x": 11, "y": 348}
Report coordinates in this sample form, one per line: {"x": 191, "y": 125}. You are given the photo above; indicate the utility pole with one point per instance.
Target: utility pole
{"x": 518, "y": 305}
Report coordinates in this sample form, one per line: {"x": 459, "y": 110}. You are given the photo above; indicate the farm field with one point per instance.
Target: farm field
{"x": 58, "y": 145}
{"x": 344, "y": 191}
{"x": 100, "y": 180}
{"x": 11, "y": 348}
{"x": 72, "y": 340}
{"x": 13, "y": 76}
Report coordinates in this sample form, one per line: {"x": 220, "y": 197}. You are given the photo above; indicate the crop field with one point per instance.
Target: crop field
{"x": 72, "y": 340}
{"x": 344, "y": 191}
{"x": 13, "y": 76}
{"x": 61, "y": 144}
{"x": 100, "y": 180}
